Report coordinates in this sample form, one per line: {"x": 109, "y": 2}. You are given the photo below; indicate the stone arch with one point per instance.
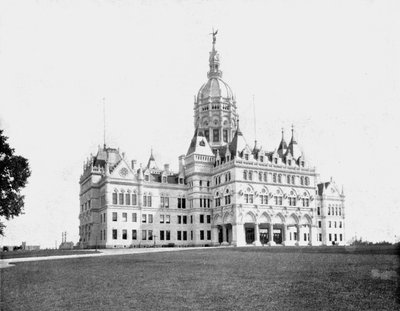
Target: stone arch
{"x": 278, "y": 219}
{"x": 227, "y": 218}
{"x": 249, "y": 217}
{"x": 264, "y": 218}
{"x": 305, "y": 220}
{"x": 292, "y": 220}
{"x": 217, "y": 219}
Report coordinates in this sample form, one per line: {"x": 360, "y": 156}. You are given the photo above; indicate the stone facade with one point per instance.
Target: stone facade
{"x": 224, "y": 193}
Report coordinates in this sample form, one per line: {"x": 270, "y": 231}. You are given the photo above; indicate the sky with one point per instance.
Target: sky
{"x": 330, "y": 68}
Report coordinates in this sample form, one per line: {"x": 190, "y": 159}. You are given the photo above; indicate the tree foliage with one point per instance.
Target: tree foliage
{"x": 14, "y": 172}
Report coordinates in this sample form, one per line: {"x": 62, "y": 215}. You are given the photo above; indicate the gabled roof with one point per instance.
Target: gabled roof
{"x": 199, "y": 145}
{"x": 238, "y": 143}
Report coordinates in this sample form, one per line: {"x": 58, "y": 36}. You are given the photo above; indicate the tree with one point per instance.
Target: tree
{"x": 14, "y": 172}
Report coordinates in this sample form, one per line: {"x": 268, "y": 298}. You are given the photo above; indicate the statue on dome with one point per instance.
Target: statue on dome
{"x": 214, "y": 34}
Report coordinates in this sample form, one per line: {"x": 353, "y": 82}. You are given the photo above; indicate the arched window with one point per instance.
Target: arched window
{"x": 301, "y": 180}
{"x": 288, "y": 179}
{"x": 280, "y": 178}
{"x": 250, "y": 175}
{"x": 248, "y": 196}
{"x": 245, "y": 175}
{"x": 121, "y": 198}
{"x": 329, "y": 210}
{"x": 227, "y": 197}
{"x": 115, "y": 197}
{"x": 265, "y": 177}
{"x": 307, "y": 181}
{"x": 263, "y": 197}
{"x": 292, "y": 199}
{"x": 340, "y": 211}
{"x": 318, "y": 211}
{"x": 293, "y": 180}
{"x": 274, "y": 177}
{"x": 134, "y": 198}
{"x": 278, "y": 198}
{"x": 260, "y": 176}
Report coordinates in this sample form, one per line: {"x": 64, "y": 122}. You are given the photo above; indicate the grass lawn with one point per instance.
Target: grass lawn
{"x": 279, "y": 278}
{"x": 42, "y": 252}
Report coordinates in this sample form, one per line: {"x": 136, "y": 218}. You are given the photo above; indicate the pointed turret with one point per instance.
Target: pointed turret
{"x": 238, "y": 143}
{"x": 152, "y": 162}
{"x": 282, "y": 149}
{"x": 293, "y": 147}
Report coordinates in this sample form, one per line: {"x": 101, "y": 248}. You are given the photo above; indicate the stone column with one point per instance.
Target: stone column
{"x": 298, "y": 235}
{"x": 284, "y": 235}
{"x": 271, "y": 235}
{"x": 224, "y": 235}
{"x": 311, "y": 233}
{"x": 234, "y": 235}
{"x": 256, "y": 235}
{"x": 215, "y": 235}
{"x": 240, "y": 235}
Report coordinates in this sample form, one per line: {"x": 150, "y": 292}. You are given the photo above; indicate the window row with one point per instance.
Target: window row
{"x": 222, "y": 178}
{"x": 332, "y": 211}
{"x": 276, "y": 178}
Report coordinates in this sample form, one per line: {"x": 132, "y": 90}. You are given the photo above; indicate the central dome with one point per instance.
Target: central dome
{"x": 215, "y": 87}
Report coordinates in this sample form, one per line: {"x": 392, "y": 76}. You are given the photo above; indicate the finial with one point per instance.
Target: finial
{"x": 283, "y": 133}
{"x": 292, "y": 128}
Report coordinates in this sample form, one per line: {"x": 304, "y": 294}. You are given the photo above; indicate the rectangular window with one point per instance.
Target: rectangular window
{"x": 179, "y": 219}
{"x": 167, "y": 219}
{"x": 208, "y": 219}
{"x": 179, "y": 235}
{"x": 166, "y": 202}
{"x": 184, "y": 235}
{"x": 150, "y": 218}
{"x": 330, "y": 237}
{"x": 115, "y": 234}
{"x": 319, "y": 224}
{"x": 149, "y": 200}
{"x": 134, "y": 217}
{"x": 161, "y": 219}
{"x": 208, "y": 234}
{"x": 150, "y": 235}
{"x": 215, "y": 135}
{"x": 225, "y": 136}
{"x": 335, "y": 237}
{"x": 179, "y": 203}
{"x": 191, "y": 235}
{"x": 134, "y": 234}
{"x": 144, "y": 235}
{"x": 191, "y": 219}
{"x": 320, "y": 237}
{"x": 168, "y": 235}
{"x": 144, "y": 200}
{"x": 184, "y": 220}
{"x": 127, "y": 199}
{"x": 114, "y": 216}
{"x": 340, "y": 224}
{"x": 207, "y": 134}
{"x": 114, "y": 198}
{"x": 330, "y": 224}
{"x": 121, "y": 199}
{"x": 305, "y": 236}
{"x": 201, "y": 234}
{"x": 105, "y": 217}
{"x": 341, "y": 237}
{"x": 134, "y": 199}
{"x": 144, "y": 218}
{"x": 124, "y": 217}
{"x": 124, "y": 234}
{"x": 183, "y": 203}
{"x": 202, "y": 219}
{"x": 161, "y": 235}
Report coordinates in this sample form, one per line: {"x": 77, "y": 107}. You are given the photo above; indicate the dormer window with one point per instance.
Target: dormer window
{"x": 246, "y": 157}
{"x": 276, "y": 160}
{"x": 289, "y": 162}
{"x": 146, "y": 177}
{"x": 261, "y": 159}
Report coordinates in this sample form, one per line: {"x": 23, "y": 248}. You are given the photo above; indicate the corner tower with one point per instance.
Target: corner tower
{"x": 215, "y": 114}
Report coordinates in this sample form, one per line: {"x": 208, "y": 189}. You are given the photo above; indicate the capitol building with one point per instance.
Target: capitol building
{"x": 225, "y": 191}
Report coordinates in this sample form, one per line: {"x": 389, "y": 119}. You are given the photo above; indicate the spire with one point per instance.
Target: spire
{"x": 282, "y": 146}
{"x": 293, "y": 140}
{"x": 293, "y": 147}
{"x": 152, "y": 162}
{"x": 214, "y": 59}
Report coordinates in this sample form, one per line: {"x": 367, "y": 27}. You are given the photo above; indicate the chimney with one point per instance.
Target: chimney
{"x": 133, "y": 163}
{"x": 181, "y": 163}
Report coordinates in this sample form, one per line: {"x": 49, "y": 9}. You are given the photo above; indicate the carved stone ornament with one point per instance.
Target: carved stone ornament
{"x": 241, "y": 192}
{"x": 271, "y": 195}
{"x": 312, "y": 198}
{"x": 285, "y": 196}
{"x": 123, "y": 172}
